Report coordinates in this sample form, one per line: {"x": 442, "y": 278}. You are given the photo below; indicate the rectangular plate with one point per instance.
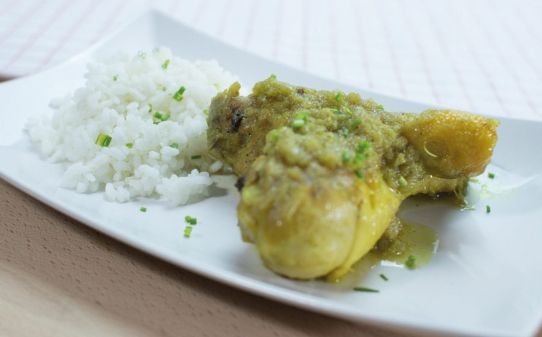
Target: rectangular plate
{"x": 486, "y": 278}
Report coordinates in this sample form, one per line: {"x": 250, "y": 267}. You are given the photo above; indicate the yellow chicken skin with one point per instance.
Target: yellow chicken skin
{"x": 325, "y": 173}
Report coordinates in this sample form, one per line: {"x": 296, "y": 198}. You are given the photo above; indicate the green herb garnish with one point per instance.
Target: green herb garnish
{"x": 356, "y": 122}
{"x": 190, "y": 220}
{"x": 298, "y": 123}
{"x": 384, "y": 277}
{"x": 366, "y": 290}
{"x": 165, "y": 64}
{"x": 273, "y": 135}
{"x": 143, "y": 209}
{"x": 410, "y": 263}
{"x": 344, "y": 132}
{"x": 178, "y": 96}
{"x": 362, "y": 147}
{"x": 402, "y": 181}
{"x": 347, "y": 156}
{"x": 159, "y": 117}
{"x": 361, "y": 152}
{"x": 187, "y": 231}
{"x": 129, "y": 145}
{"x": 338, "y": 97}
{"x": 299, "y": 120}
{"x": 103, "y": 140}
{"x": 115, "y": 77}
{"x": 273, "y": 76}
{"x": 174, "y": 145}
{"x": 491, "y": 175}
{"x": 359, "y": 174}
{"x": 488, "y": 209}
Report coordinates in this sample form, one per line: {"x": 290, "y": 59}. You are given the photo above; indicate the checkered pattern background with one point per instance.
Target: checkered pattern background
{"x": 477, "y": 55}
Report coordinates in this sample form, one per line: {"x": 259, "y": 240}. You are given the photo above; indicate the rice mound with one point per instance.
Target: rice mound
{"x": 148, "y": 156}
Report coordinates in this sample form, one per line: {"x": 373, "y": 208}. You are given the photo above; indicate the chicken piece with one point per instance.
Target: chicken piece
{"x": 325, "y": 173}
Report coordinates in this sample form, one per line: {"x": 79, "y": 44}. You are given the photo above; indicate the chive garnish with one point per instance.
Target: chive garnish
{"x": 402, "y": 181}
{"x": 491, "y": 175}
{"x": 344, "y": 132}
{"x": 190, "y": 220}
{"x": 359, "y": 174}
{"x": 384, "y": 277}
{"x": 347, "y": 155}
{"x": 165, "y": 64}
{"x": 115, "y": 77}
{"x": 129, "y": 145}
{"x": 187, "y": 231}
{"x": 178, "y": 96}
{"x": 159, "y": 117}
{"x": 362, "y": 147}
{"x": 338, "y": 96}
{"x": 103, "y": 140}
{"x": 367, "y": 290}
{"x": 488, "y": 209}
{"x": 298, "y": 123}
{"x": 143, "y": 209}
{"x": 410, "y": 263}
{"x": 356, "y": 122}
{"x": 273, "y": 76}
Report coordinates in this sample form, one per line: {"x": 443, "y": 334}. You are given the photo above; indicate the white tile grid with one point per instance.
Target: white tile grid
{"x": 476, "y": 55}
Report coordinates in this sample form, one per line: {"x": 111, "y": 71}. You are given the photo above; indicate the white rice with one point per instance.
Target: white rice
{"x": 146, "y": 157}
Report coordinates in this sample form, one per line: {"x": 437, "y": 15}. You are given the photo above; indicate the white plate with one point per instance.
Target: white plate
{"x": 486, "y": 278}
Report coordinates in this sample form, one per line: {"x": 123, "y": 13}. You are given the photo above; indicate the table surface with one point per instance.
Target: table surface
{"x": 60, "y": 278}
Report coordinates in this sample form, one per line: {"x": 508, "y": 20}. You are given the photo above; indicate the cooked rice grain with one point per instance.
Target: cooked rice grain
{"x": 153, "y": 135}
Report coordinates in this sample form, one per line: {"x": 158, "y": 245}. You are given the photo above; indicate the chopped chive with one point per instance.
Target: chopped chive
{"x": 356, "y": 122}
{"x": 298, "y": 123}
{"x": 362, "y": 147}
{"x": 178, "y": 96}
{"x": 115, "y": 77}
{"x": 302, "y": 115}
{"x": 410, "y": 263}
{"x": 191, "y": 220}
{"x": 384, "y": 277}
{"x": 337, "y": 111}
{"x": 187, "y": 231}
{"x": 338, "y": 96}
{"x": 197, "y": 156}
{"x": 366, "y": 290}
{"x": 359, "y": 158}
{"x": 143, "y": 209}
{"x": 488, "y": 209}
{"x": 274, "y": 135}
{"x": 402, "y": 181}
{"x": 344, "y": 132}
{"x": 347, "y": 156}
{"x": 159, "y": 117}
{"x": 491, "y": 175}
{"x": 165, "y": 64}
{"x": 347, "y": 110}
{"x": 103, "y": 140}
{"x": 273, "y": 76}
{"x": 359, "y": 174}
{"x": 174, "y": 145}
{"x": 129, "y": 145}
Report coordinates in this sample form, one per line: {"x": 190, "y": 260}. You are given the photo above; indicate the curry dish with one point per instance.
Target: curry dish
{"x": 323, "y": 173}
